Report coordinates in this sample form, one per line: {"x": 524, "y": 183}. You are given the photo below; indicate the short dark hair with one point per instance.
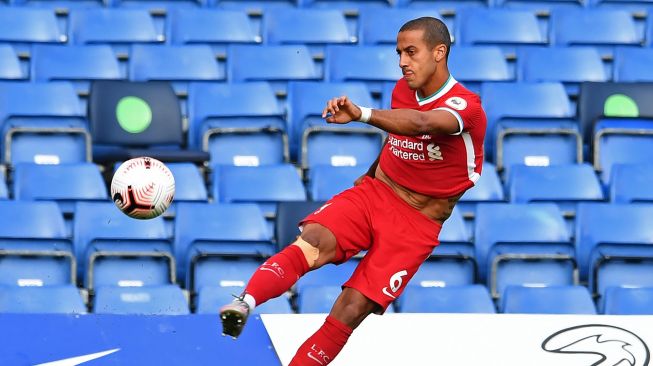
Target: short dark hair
{"x": 435, "y": 31}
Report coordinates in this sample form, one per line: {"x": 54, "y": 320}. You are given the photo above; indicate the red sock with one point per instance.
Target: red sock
{"x": 323, "y": 346}
{"x": 277, "y": 274}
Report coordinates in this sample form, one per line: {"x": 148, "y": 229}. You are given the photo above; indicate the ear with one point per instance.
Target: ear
{"x": 440, "y": 52}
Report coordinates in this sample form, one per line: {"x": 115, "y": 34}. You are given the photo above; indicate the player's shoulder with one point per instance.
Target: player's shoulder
{"x": 459, "y": 97}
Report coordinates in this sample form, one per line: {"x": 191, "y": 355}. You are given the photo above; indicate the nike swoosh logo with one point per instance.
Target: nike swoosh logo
{"x": 322, "y": 208}
{"x": 314, "y": 359}
{"x": 271, "y": 270}
{"x": 74, "y": 361}
{"x": 385, "y": 291}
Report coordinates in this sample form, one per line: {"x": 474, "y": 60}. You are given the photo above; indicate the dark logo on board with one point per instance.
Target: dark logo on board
{"x": 615, "y": 346}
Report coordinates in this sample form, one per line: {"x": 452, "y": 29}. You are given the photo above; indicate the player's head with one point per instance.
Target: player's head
{"x": 422, "y": 44}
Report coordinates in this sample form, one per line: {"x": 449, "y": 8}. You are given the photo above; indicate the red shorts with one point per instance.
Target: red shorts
{"x": 398, "y": 238}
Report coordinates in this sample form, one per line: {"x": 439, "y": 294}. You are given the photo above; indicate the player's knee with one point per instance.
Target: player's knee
{"x": 311, "y": 252}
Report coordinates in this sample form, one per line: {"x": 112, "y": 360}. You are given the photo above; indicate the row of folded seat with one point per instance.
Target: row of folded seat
{"x": 350, "y": 8}
{"x": 373, "y": 64}
{"x": 512, "y": 244}
{"x": 566, "y": 185}
{"x": 243, "y": 124}
{"x": 320, "y": 26}
{"x": 171, "y": 300}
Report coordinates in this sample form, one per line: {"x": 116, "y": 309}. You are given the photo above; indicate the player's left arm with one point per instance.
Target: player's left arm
{"x": 406, "y": 122}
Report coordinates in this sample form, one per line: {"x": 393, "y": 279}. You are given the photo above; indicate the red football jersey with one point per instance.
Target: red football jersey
{"x": 437, "y": 165}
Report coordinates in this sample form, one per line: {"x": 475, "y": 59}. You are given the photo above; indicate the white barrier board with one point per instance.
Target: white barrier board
{"x": 478, "y": 339}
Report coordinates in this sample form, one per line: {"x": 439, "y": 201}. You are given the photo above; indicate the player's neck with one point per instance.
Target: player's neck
{"x": 435, "y": 84}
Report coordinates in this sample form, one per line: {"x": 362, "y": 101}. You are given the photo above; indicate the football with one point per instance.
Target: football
{"x": 142, "y": 188}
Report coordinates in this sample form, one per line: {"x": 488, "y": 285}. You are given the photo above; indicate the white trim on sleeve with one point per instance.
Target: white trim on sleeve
{"x": 461, "y": 125}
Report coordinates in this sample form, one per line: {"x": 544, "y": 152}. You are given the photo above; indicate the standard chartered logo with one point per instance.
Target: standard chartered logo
{"x": 411, "y": 150}
{"x": 434, "y": 152}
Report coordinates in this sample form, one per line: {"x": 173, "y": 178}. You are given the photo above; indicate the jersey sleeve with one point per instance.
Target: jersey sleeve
{"x": 466, "y": 108}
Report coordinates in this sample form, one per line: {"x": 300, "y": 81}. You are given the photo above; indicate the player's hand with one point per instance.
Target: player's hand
{"x": 341, "y": 110}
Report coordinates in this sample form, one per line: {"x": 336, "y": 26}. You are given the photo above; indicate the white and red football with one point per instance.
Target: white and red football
{"x": 142, "y": 188}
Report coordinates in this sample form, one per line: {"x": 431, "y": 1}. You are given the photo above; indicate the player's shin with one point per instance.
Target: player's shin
{"x": 277, "y": 274}
{"x": 323, "y": 346}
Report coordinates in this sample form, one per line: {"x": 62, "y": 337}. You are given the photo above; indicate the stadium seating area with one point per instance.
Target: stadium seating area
{"x": 560, "y": 221}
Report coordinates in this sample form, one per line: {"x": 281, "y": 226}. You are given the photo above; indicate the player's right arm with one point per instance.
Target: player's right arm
{"x": 405, "y": 122}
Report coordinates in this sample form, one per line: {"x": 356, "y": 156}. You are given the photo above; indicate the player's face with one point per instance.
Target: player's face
{"x": 417, "y": 61}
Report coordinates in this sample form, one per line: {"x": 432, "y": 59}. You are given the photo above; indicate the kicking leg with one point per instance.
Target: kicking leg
{"x": 348, "y": 312}
{"x": 315, "y": 247}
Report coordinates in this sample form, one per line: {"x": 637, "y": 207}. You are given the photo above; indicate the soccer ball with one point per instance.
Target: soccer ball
{"x": 142, "y": 188}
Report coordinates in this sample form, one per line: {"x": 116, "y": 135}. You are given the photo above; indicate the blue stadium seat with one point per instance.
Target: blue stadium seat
{"x": 159, "y": 7}
{"x": 452, "y": 262}
{"x": 523, "y": 244}
{"x": 224, "y": 271}
{"x": 327, "y": 275}
{"x": 211, "y": 298}
{"x": 638, "y": 8}
{"x": 255, "y": 8}
{"x": 118, "y": 27}
{"x": 233, "y": 230}
{"x": 540, "y": 7}
{"x": 370, "y": 33}
{"x": 265, "y": 185}
{"x": 78, "y": 64}
{"x": 630, "y": 183}
{"x": 621, "y": 141}
{"x": 506, "y": 28}
{"x": 36, "y": 251}
{"x": 277, "y": 64}
{"x": 4, "y": 191}
{"x": 325, "y": 181}
{"x": 565, "y": 185}
{"x": 569, "y": 65}
{"x": 289, "y": 214}
{"x": 632, "y": 64}
{"x": 60, "y": 6}
{"x": 52, "y": 131}
{"x": 547, "y": 300}
{"x": 133, "y": 119}
{"x": 648, "y": 41}
{"x": 373, "y": 65}
{"x": 602, "y": 28}
{"x": 237, "y": 123}
{"x": 475, "y": 65}
{"x": 147, "y": 300}
{"x": 114, "y": 249}
{"x": 314, "y": 28}
{"x": 176, "y": 64}
{"x": 215, "y": 27}
{"x": 530, "y": 124}
{"x": 348, "y": 7}
{"x": 447, "y": 8}
{"x": 454, "y": 299}
{"x": 189, "y": 187}
{"x": 41, "y": 300}
{"x": 24, "y": 26}
{"x": 614, "y": 245}
{"x": 628, "y": 301}
{"x": 318, "y": 143}
{"x": 317, "y": 298}
{"x": 10, "y": 68}
{"x": 63, "y": 183}
{"x": 189, "y": 183}
{"x": 488, "y": 189}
